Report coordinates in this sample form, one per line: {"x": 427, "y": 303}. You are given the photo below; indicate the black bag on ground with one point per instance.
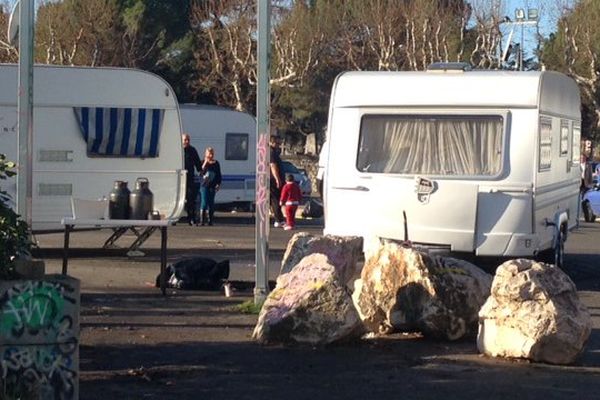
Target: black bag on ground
{"x": 196, "y": 273}
{"x": 312, "y": 209}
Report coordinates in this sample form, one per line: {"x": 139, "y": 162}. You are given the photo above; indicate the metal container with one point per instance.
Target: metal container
{"x": 118, "y": 201}
{"x": 141, "y": 200}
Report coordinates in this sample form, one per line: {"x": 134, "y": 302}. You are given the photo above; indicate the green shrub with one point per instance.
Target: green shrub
{"x": 248, "y": 307}
{"x": 14, "y": 232}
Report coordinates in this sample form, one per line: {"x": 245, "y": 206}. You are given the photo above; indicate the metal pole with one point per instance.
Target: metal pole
{"x": 25, "y": 111}
{"x": 522, "y": 49}
{"x": 263, "y": 155}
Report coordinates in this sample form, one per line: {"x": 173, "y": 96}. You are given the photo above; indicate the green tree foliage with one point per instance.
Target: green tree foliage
{"x": 574, "y": 49}
{"x": 14, "y": 237}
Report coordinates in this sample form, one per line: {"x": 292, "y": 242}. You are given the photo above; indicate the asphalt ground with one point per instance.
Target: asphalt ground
{"x": 137, "y": 344}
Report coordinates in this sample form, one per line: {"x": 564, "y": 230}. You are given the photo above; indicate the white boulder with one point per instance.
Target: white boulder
{"x": 402, "y": 289}
{"x": 533, "y": 312}
{"x": 343, "y": 253}
{"x": 309, "y": 305}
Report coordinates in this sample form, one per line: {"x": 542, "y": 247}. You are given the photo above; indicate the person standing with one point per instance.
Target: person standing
{"x": 276, "y": 183}
{"x": 210, "y": 185}
{"x": 291, "y": 195}
{"x": 587, "y": 180}
{"x": 192, "y": 164}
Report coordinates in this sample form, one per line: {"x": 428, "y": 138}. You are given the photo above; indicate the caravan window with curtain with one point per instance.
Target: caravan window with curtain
{"x": 446, "y": 145}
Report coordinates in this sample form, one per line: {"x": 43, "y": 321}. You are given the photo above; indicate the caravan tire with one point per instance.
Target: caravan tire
{"x": 588, "y": 214}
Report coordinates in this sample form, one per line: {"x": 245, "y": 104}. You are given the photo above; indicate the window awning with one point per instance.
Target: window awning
{"x": 124, "y": 132}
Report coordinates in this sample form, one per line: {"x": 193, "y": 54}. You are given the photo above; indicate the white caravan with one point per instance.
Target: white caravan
{"x": 485, "y": 162}
{"x": 232, "y": 134}
{"x": 93, "y": 126}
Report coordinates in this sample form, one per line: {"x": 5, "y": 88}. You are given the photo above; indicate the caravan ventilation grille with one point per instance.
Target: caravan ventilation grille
{"x": 55, "y": 189}
{"x": 56, "y": 156}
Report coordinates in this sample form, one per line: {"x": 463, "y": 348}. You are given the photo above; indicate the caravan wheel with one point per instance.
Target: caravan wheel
{"x": 588, "y": 213}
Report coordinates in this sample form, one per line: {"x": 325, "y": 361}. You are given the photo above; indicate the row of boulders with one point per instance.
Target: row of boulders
{"x": 530, "y": 310}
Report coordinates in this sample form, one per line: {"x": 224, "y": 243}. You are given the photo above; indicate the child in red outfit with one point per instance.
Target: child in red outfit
{"x": 290, "y": 198}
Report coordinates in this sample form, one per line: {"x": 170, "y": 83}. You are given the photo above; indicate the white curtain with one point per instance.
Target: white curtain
{"x": 431, "y": 145}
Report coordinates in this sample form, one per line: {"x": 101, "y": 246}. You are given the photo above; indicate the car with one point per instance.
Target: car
{"x": 596, "y": 173}
{"x": 299, "y": 176}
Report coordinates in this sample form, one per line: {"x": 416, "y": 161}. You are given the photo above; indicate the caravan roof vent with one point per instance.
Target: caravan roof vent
{"x": 449, "y": 66}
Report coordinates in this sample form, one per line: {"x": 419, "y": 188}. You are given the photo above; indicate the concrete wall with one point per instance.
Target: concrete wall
{"x": 39, "y": 338}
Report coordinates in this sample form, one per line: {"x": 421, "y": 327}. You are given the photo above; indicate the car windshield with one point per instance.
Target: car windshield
{"x": 289, "y": 168}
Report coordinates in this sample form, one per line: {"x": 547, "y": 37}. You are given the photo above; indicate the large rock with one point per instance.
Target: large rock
{"x": 407, "y": 290}
{"x": 309, "y": 305}
{"x": 343, "y": 252}
{"x": 534, "y": 312}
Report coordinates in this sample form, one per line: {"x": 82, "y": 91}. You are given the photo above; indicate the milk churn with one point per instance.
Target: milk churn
{"x": 141, "y": 200}
{"x": 118, "y": 201}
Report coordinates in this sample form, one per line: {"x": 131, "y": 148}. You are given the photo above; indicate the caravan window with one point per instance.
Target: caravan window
{"x": 545, "y": 154}
{"x": 576, "y": 143}
{"x": 564, "y": 138}
{"x": 236, "y": 146}
{"x": 449, "y": 145}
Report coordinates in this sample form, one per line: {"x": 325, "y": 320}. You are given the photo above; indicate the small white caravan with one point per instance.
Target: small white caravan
{"x": 232, "y": 135}
{"x": 485, "y": 162}
{"x": 93, "y": 126}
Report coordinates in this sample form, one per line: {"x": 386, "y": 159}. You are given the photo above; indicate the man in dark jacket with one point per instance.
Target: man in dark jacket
{"x": 277, "y": 181}
{"x": 191, "y": 162}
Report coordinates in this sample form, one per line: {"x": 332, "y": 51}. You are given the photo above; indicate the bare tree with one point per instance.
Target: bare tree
{"x": 392, "y": 35}
{"x": 487, "y": 14}
{"x": 434, "y": 31}
{"x": 8, "y": 52}
{"x": 226, "y": 56}
{"x": 77, "y": 32}
{"x": 298, "y": 41}
{"x": 578, "y": 41}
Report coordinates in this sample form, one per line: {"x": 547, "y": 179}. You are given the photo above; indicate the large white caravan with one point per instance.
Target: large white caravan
{"x": 93, "y": 126}
{"x": 485, "y": 162}
{"x": 232, "y": 135}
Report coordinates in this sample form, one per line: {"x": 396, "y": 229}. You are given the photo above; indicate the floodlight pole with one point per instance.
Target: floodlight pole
{"x": 263, "y": 99}
{"x": 521, "y": 23}
{"x": 25, "y": 111}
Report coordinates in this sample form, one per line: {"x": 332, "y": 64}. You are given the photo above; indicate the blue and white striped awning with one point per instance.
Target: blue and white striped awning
{"x": 125, "y": 132}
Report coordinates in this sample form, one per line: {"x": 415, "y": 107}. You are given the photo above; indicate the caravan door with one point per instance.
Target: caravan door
{"x": 427, "y": 165}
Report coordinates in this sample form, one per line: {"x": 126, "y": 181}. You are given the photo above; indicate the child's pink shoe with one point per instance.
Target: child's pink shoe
{"x": 288, "y": 228}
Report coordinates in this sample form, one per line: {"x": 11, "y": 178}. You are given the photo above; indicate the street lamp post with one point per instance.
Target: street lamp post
{"x": 263, "y": 128}
{"x": 21, "y": 33}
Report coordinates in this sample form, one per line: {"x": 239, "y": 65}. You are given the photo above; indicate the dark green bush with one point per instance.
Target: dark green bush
{"x": 14, "y": 232}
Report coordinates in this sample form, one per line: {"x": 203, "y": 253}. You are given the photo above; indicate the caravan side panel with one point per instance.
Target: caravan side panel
{"x": 62, "y": 167}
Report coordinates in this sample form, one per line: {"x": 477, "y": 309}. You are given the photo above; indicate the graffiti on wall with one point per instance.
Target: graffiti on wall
{"x": 49, "y": 371}
{"x": 33, "y": 312}
{"x": 262, "y": 189}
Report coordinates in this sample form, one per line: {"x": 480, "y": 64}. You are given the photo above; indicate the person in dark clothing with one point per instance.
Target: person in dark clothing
{"x": 211, "y": 182}
{"x": 277, "y": 181}
{"x": 191, "y": 163}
